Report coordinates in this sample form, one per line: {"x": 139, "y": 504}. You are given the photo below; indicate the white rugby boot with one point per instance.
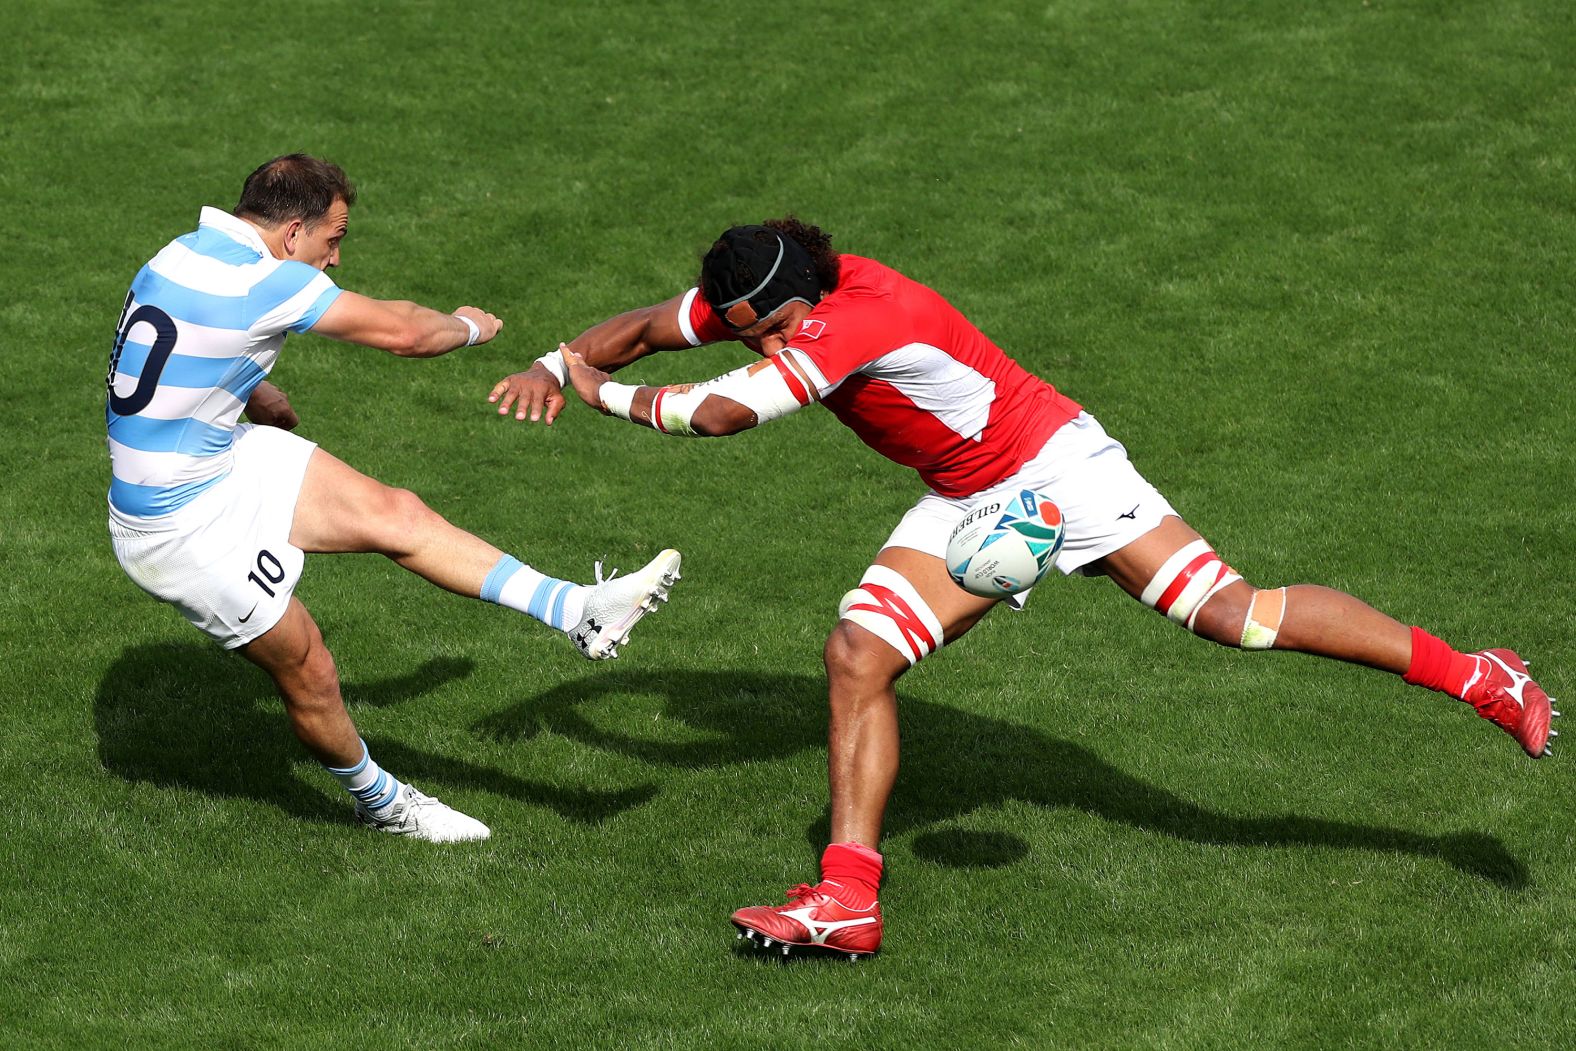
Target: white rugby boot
{"x": 423, "y": 817}
{"x": 615, "y": 604}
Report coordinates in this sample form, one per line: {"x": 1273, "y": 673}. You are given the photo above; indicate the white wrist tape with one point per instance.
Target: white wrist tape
{"x": 617, "y": 398}
{"x": 554, "y": 363}
{"x": 475, "y": 330}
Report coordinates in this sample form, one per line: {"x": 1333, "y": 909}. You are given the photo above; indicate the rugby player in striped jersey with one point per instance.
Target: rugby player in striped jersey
{"x": 214, "y": 516}
{"x": 918, "y": 383}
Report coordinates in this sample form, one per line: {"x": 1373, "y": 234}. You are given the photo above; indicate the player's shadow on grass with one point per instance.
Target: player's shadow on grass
{"x": 192, "y": 716}
{"x": 953, "y": 764}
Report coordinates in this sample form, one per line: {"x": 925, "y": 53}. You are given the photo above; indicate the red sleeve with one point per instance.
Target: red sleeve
{"x": 701, "y": 323}
{"x": 840, "y": 338}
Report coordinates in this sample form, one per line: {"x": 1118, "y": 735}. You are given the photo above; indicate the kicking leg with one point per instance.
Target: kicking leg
{"x": 339, "y": 509}
{"x": 905, "y": 608}
{"x": 293, "y": 654}
{"x": 1173, "y": 570}
{"x": 1309, "y": 619}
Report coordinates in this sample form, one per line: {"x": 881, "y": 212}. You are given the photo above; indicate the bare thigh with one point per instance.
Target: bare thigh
{"x": 1133, "y": 566}
{"x": 339, "y": 509}
{"x": 957, "y": 610}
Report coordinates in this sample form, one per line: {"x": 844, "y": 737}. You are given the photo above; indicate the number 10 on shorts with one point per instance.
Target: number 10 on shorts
{"x": 270, "y": 568}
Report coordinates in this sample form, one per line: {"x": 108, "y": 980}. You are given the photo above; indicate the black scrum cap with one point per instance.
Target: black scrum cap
{"x": 754, "y": 270}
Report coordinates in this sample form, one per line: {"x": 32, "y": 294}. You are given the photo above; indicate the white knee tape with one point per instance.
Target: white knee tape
{"x": 1264, "y": 618}
{"x": 1189, "y": 578}
{"x": 891, "y": 608}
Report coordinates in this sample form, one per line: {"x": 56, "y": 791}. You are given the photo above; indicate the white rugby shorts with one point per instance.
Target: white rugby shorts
{"x": 225, "y": 560}
{"x": 1105, "y": 503}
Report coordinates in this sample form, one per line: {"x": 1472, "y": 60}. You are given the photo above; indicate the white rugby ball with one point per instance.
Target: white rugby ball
{"x": 1005, "y": 544}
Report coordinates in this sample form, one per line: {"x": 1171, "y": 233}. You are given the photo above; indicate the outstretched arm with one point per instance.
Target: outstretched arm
{"x": 607, "y": 346}
{"x": 728, "y": 404}
{"x": 404, "y": 328}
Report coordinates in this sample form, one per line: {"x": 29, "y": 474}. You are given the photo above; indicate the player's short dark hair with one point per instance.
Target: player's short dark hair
{"x": 295, "y": 186}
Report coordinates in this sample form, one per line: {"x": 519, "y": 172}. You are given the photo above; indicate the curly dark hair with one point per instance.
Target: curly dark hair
{"x": 813, "y": 239}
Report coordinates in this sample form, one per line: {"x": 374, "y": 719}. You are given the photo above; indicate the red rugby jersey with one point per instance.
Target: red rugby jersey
{"x": 909, "y": 374}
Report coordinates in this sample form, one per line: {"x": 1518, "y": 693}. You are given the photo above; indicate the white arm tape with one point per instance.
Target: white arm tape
{"x": 617, "y": 398}
{"x": 473, "y": 328}
{"x": 554, "y": 363}
{"x": 762, "y": 387}
{"x": 672, "y": 409}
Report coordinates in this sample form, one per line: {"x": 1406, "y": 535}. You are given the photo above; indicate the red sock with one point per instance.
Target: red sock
{"x": 1437, "y": 666}
{"x": 856, "y": 867}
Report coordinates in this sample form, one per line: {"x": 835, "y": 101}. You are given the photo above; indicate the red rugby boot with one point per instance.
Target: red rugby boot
{"x": 814, "y": 922}
{"x": 1503, "y": 693}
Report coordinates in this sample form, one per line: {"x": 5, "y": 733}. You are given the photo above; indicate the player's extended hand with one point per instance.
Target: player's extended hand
{"x": 269, "y": 407}
{"x": 587, "y": 380}
{"x": 487, "y": 325}
{"x": 534, "y": 391}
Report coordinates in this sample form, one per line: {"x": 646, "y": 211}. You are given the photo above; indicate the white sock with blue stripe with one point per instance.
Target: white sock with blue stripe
{"x": 374, "y": 787}
{"x": 556, "y": 603}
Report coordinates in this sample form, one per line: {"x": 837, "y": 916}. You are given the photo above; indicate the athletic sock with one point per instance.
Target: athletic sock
{"x": 556, "y": 603}
{"x": 857, "y": 868}
{"x": 374, "y": 787}
{"x": 1439, "y": 667}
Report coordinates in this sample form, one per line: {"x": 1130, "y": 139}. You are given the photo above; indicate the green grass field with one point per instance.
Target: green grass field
{"x": 1312, "y": 262}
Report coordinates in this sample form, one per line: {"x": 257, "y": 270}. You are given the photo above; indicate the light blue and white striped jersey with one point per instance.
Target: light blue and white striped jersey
{"x": 201, "y": 327}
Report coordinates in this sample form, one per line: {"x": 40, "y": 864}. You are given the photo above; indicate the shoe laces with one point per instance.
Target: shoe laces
{"x": 1496, "y": 694}
{"x": 600, "y": 579}
{"x": 416, "y": 799}
{"x": 1500, "y": 707}
{"x": 800, "y": 891}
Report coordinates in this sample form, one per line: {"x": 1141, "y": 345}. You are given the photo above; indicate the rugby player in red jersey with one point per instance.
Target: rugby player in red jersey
{"x": 922, "y": 386}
